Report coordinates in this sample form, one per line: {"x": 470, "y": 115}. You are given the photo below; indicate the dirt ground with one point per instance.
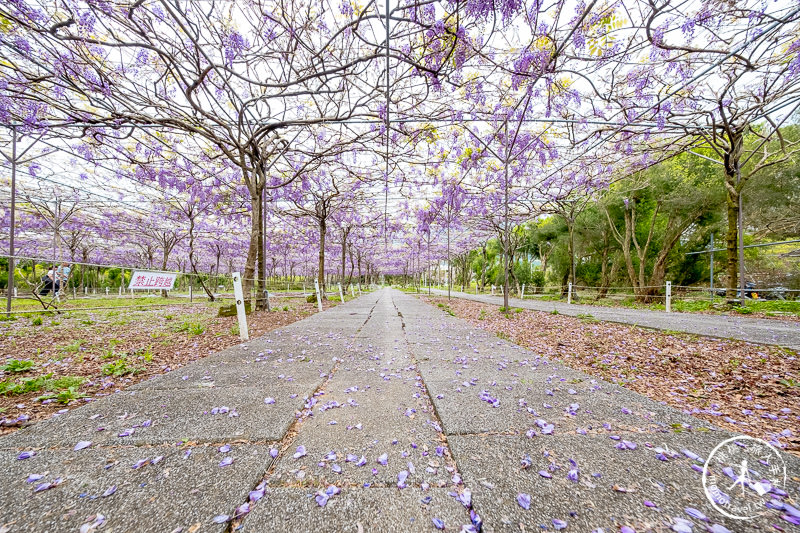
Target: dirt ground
{"x": 745, "y": 388}
{"x": 111, "y": 350}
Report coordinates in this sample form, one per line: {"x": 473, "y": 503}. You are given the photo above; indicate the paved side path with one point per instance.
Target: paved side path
{"x": 383, "y": 414}
{"x": 757, "y": 330}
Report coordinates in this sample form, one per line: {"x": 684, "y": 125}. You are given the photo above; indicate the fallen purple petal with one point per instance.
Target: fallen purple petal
{"x": 524, "y": 500}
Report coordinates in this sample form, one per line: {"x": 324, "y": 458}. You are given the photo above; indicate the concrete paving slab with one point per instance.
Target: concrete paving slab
{"x": 303, "y": 370}
{"x": 356, "y": 510}
{"x": 173, "y": 415}
{"x": 523, "y": 408}
{"x": 176, "y": 492}
{"x": 491, "y": 465}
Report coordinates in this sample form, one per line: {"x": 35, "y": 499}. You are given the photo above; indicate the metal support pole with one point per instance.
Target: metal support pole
{"x": 569, "y": 292}
{"x": 266, "y": 297}
{"x": 10, "y": 286}
{"x": 238, "y": 294}
{"x": 669, "y": 296}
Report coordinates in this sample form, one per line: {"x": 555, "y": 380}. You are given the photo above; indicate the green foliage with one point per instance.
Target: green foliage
{"x": 67, "y": 382}
{"x": 46, "y": 382}
{"x": 119, "y": 368}
{"x": 37, "y": 321}
{"x": 145, "y": 353}
{"x": 7, "y": 317}
{"x": 64, "y": 396}
{"x": 18, "y": 365}
{"x": 191, "y": 327}
{"x": 73, "y": 347}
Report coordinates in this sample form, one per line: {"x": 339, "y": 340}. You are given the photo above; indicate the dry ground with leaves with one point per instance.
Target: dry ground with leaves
{"x": 98, "y": 353}
{"x": 745, "y": 388}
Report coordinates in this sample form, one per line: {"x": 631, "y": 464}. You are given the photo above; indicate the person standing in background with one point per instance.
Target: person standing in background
{"x": 62, "y": 276}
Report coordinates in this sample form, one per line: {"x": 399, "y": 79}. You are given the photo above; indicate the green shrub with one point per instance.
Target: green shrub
{"x": 37, "y": 321}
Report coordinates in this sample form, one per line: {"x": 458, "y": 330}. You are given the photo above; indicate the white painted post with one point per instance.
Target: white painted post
{"x": 190, "y": 292}
{"x": 462, "y": 288}
{"x": 341, "y": 293}
{"x": 522, "y": 292}
{"x": 669, "y": 296}
{"x": 15, "y": 292}
{"x": 319, "y": 297}
{"x": 492, "y": 290}
{"x": 120, "y": 290}
{"x": 287, "y": 286}
{"x": 353, "y": 291}
{"x": 74, "y": 292}
{"x": 240, "y": 312}
{"x": 569, "y": 293}
{"x": 476, "y": 289}
{"x": 106, "y": 291}
{"x": 85, "y": 290}
{"x": 304, "y": 288}
{"x": 359, "y": 288}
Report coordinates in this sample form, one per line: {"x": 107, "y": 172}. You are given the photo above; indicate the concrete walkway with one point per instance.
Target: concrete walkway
{"x": 382, "y": 414}
{"x": 758, "y": 330}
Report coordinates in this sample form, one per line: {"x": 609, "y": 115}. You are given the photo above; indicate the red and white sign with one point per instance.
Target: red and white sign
{"x": 152, "y": 280}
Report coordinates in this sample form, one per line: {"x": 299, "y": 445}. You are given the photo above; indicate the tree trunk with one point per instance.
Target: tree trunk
{"x": 321, "y": 272}
{"x": 252, "y": 250}
{"x": 732, "y": 239}
{"x": 733, "y": 187}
